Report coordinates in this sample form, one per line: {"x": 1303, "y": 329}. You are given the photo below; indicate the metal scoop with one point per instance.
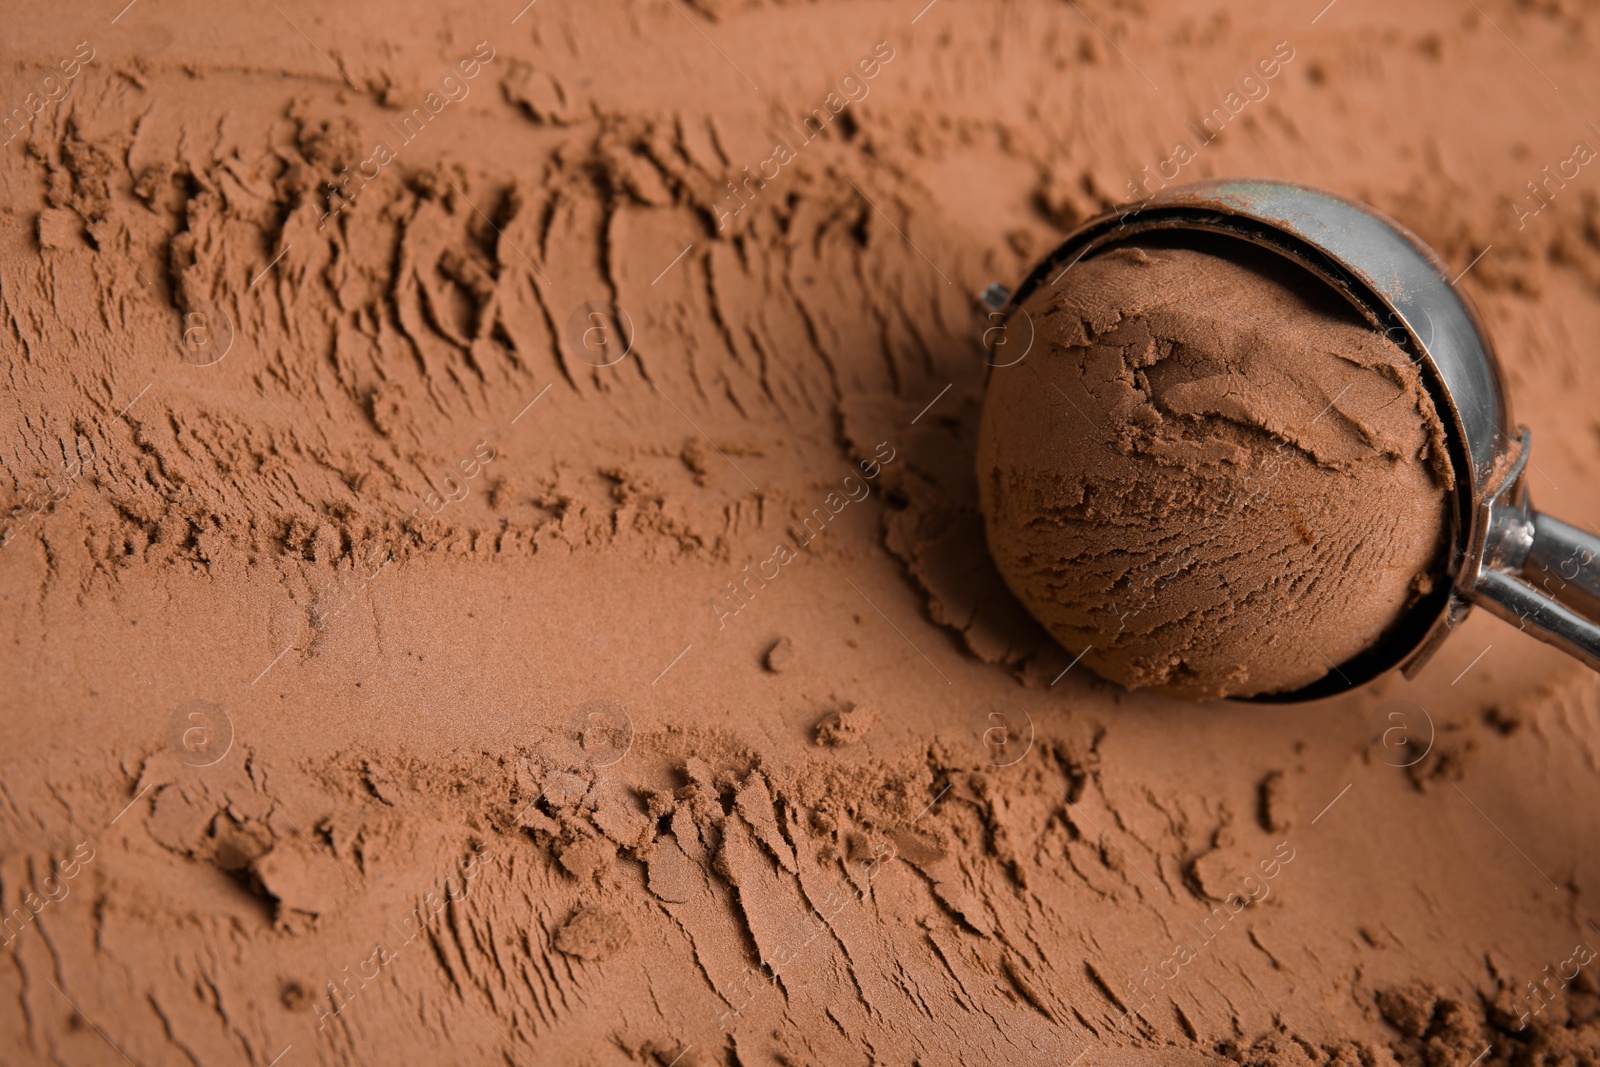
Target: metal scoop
{"x": 1522, "y": 565}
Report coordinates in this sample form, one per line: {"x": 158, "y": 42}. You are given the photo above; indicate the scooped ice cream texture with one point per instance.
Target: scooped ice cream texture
{"x": 1208, "y": 477}
{"x": 428, "y": 836}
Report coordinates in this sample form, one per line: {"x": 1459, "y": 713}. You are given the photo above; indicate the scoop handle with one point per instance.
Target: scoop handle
{"x": 1564, "y": 562}
{"x": 1553, "y": 591}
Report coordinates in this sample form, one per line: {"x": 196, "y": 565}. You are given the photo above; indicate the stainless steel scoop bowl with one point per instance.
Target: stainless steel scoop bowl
{"x": 1522, "y": 565}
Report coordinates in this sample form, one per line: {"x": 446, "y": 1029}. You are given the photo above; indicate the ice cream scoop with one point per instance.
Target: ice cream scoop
{"x": 1211, "y": 400}
{"x": 1218, "y": 436}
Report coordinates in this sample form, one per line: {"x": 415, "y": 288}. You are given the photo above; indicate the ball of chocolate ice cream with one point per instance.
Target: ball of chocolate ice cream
{"x": 1208, "y": 475}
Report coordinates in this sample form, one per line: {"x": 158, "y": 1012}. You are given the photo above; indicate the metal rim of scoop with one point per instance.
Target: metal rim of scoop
{"x": 1520, "y": 564}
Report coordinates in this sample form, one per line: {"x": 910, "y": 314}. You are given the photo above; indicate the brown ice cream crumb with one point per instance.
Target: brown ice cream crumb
{"x": 1274, "y": 803}
{"x": 593, "y": 933}
{"x": 1408, "y": 1008}
{"x": 58, "y": 229}
{"x": 846, "y": 726}
{"x": 780, "y": 657}
{"x": 1207, "y": 480}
